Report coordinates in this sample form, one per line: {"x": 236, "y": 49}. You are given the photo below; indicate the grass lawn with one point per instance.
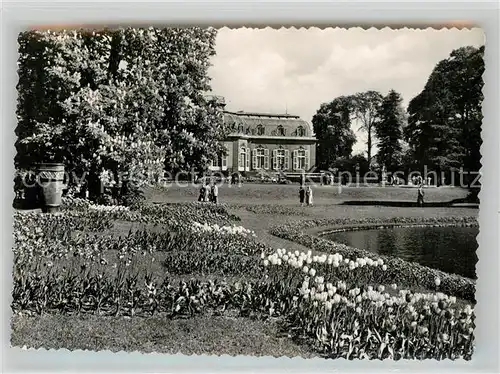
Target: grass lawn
{"x": 205, "y": 334}
{"x": 263, "y": 205}
{"x": 252, "y": 194}
{"x": 259, "y": 207}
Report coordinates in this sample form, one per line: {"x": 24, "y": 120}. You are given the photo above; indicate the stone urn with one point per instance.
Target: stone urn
{"x": 50, "y": 179}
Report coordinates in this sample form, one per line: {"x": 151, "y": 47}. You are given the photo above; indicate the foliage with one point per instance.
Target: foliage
{"x": 389, "y": 131}
{"x": 444, "y": 123}
{"x": 332, "y": 126}
{"x": 366, "y": 106}
{"x": 126, "y": 102}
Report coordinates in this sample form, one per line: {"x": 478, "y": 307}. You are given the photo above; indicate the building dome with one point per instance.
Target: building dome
{"x": 265, "y": 124}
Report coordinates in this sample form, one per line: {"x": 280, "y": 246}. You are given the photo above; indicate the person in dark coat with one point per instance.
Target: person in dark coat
{"x": 202, "y": 192}
{"x": 302, "y": 195}
{"x": 420, "y": 196}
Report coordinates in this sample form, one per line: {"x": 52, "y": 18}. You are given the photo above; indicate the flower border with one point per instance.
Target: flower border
{"x": 401, "y": 271}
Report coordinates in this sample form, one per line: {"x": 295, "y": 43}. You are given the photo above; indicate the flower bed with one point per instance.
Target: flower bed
{"x": 369, "y": 321}
{"x": 339, "y": 303}
{"x": 410, "y": 274}
{"x": 195, "y": 211}
{"x": 57, "y": 272}
{"x": 157, "y": 214}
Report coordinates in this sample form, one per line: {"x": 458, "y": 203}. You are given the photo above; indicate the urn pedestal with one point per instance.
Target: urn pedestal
{"x": 50, "y": 178}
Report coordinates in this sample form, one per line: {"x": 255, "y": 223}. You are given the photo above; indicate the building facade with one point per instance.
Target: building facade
{"x": 267, "y": 142}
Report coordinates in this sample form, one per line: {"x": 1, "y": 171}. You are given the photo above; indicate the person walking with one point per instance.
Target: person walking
{"x": 207, "y": 192}
{"x": 309, "y": 196}
{"x": 215, "y": 193}
{"x": 302, "y": 195}
{"x": 202, "y": 193}
{"x": 420, "y": 196}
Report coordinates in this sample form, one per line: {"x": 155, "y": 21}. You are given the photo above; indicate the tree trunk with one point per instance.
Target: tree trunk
{"x": 369, "y": 143}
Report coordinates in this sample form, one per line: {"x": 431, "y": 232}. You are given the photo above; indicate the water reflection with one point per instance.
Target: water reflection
{"x": 450, "y": 249}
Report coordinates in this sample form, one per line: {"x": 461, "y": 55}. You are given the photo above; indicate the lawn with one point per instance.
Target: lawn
{"x": 149, "y": 280}
{"x": 216, "y": 335}
{"x": 255, "y": 193}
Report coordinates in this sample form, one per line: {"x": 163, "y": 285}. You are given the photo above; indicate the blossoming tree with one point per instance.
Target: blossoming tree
{"x": 125, "y": 102}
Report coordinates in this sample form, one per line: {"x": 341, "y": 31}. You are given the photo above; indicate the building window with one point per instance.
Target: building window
{"x": 280, "y": 159}
{"x": 225, "y": 157}
{"x": 241, "y": 158}
{"x": 221, "y": 160}
{"x": 260, "y": 158}
{"x": 300, "y": 159}
{"x": 260, "y": 130}
{"x": 281, "y": 131}
{"x": 301, "y": 131}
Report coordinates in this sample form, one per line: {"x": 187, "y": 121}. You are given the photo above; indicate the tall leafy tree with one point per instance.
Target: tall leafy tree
{"x": 126, "y": 100}
{"x": 332, "y": 126}
{"x": 466, "y": 68}
{"x": 366, "y": 110}
{"x": 444, "y": 122}
{"x": 389, "y": 130}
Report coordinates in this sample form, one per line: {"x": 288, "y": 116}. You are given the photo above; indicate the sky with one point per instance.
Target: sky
{"x": 296, "y": 70}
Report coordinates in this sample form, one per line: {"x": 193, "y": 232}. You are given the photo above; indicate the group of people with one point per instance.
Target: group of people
{"x": 209, "y": 192}
{"x": 418, "y": 180}
{"x": 305, "y": 195}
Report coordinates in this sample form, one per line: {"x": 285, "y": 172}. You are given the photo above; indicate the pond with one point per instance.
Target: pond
{"x": 450, "y": 249}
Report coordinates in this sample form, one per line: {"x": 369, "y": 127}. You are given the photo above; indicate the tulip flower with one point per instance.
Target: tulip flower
{"x": 437, "y": 281}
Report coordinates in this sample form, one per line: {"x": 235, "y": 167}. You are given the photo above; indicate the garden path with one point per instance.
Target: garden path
{"x": 260, "y": 223}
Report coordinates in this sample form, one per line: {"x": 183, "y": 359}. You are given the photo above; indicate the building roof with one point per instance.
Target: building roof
{"x": 248, "y": 122}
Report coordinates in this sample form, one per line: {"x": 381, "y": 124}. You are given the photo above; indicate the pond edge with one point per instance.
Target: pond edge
{"x": 401, "y": 271}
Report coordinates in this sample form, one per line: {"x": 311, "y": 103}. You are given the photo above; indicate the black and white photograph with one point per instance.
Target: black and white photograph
{"x": 284, "y": 192}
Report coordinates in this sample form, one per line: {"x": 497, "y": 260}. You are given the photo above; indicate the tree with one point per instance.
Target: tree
{"x": 466, "y": 68}
{"x": 444, "y": 123}
{"x": 129, "y": 101}
{"x": 332, "y": 126}
{"x": 389, "y": 131}
{"x": 366, "y": 109}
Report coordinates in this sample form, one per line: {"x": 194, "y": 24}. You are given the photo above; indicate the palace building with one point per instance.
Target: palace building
{"x": 267, "y": 142}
